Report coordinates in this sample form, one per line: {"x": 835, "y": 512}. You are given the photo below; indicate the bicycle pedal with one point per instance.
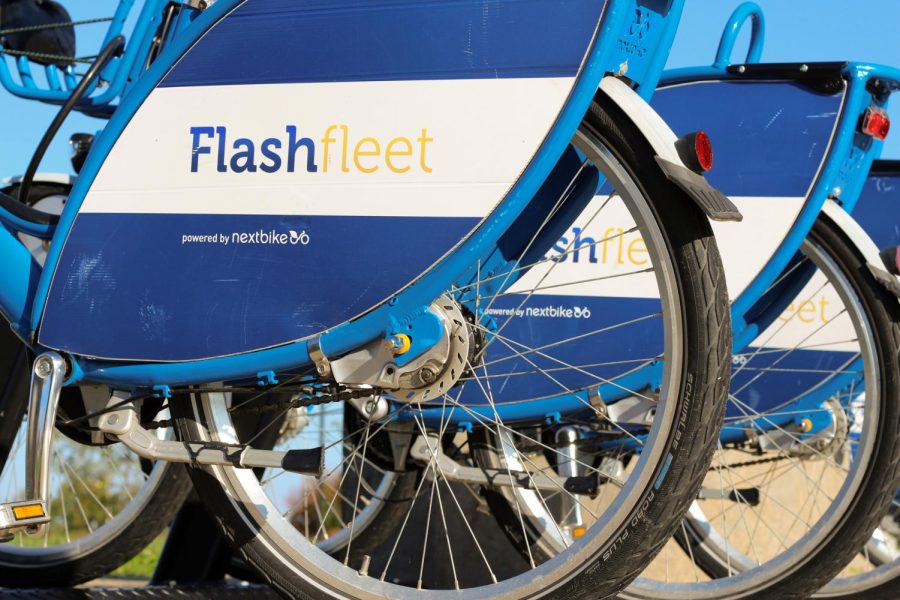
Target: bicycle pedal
{"x": 29, "y": 516}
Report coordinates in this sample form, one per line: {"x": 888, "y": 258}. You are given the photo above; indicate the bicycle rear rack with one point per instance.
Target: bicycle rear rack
{"x": 28, "y": 76}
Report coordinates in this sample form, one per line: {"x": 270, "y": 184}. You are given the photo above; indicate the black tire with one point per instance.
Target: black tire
{"x": 699, "y": 404}
{"x": 67, "y": 565}
{"x": 884, "y": 477}
{"x": 677, "y": 209}
{"x": 880, "y": 482}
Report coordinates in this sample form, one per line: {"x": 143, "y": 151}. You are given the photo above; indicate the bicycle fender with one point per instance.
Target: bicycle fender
{"x": 662, "y": 139}
{"x": 863, "y": 244}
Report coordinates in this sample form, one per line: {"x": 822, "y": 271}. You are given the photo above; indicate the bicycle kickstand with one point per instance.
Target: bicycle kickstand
{"x": 33, "y": 514}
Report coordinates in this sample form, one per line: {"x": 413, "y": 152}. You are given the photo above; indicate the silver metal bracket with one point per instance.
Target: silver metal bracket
{"x": 639, "y": 410}
{"x": 123, "y": 425}
{"x": 425, "y": 377}
{"x": 200, "y": 4}
{"x": 323, "y": 366}
{"x": 427, "y": 451}
{"x": 32, "y": 514}
{"x": 890, "y": 282}
{"x": 372, "y": 408}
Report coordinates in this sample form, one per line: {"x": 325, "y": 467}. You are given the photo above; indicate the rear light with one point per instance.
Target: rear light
{"x": 876, "y": 123}
{"x": 696, "y": 152}
{"x": 891, "y": 258}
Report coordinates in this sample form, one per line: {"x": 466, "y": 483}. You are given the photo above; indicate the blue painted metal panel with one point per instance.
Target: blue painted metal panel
{"x": 769, "y": 137}
{"x": 414, "y": 40}
{"x": 139, "y": 286}
{"x": 278, "y": 41}
{"x": 773, "y": 378}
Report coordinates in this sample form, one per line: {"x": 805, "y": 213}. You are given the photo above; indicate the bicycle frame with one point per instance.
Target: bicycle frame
{"x": 24, "y": 288}
{"x": 119, "y": 73}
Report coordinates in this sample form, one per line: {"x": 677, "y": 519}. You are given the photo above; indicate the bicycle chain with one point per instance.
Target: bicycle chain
{"x": 307, "y": 396}
{"x": 44, "y": 55}
{"x": 750, "y": 463}
{"x": 304, "y": 396}
{"x": 29, "y": 28}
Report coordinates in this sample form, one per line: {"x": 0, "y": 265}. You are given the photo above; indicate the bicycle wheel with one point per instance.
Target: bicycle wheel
{"x": 807, "y": 460}
{"x": 668, "y": 347}
{"x": 106, "y": 504}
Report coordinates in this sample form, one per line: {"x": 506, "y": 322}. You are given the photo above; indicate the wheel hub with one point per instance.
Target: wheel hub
{"x": 421, "y": 379}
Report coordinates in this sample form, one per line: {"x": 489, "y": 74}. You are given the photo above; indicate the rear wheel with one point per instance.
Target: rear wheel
{"x": 662, "y": 342}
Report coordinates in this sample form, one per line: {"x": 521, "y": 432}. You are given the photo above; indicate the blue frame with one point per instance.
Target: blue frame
{"x": 23, "y": 294}
{"x": 120, "y": 72}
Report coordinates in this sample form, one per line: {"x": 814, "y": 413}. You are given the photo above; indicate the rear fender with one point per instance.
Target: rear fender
{"x": 662, "y": 139}
{"x": 864, "y": 245}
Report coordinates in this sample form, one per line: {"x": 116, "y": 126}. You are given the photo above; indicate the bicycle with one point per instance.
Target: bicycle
{"x": 400, "y": 343}
{"x": 802, "y": 474}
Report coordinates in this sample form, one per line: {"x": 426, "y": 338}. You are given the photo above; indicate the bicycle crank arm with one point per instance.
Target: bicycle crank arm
{"x": 124, "y": 426}
{"x": 748, "y": 496}
{"x": 32, "y": 515}
{"x": 428, "y": 452}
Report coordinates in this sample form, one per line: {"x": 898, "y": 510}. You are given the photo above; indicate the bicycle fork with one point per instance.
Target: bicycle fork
{"x": 32, "y": 515}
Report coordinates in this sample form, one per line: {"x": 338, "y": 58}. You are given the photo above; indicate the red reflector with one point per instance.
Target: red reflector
{"x": 695, "y": 151}
{"x": 876, "y": 123}
{"x": 703, "y": 148}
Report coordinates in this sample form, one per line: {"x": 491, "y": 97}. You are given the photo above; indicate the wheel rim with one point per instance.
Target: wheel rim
{"x": 757, "y": 545}
{"x": 295, "y": 550}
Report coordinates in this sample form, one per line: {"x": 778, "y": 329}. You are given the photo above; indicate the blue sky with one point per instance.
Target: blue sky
{"x": 797, "y": 30}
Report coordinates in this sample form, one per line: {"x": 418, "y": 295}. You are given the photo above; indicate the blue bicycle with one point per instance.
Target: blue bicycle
{"x": 806, "y": 460}
{"x": 353, "y": 205}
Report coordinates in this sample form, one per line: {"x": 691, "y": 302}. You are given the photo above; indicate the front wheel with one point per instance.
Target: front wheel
{"x": 654, "y": 336}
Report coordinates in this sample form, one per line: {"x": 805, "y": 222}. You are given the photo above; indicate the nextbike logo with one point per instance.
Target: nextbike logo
{"x": 337, "y": 150}
{"x": 554, "y": 312}
{"x": 256, "y": 238}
